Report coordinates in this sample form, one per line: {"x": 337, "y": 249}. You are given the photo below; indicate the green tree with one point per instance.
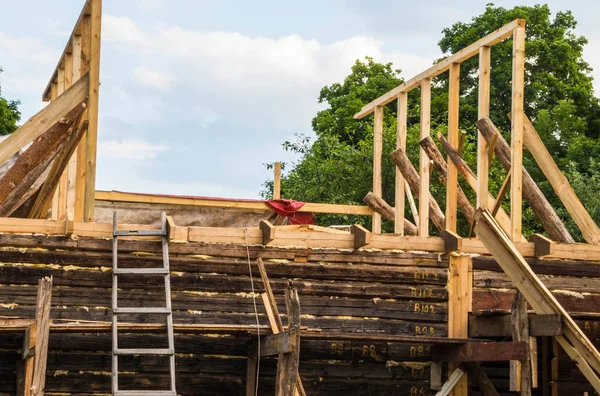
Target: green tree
{"x": 9, "y": 114}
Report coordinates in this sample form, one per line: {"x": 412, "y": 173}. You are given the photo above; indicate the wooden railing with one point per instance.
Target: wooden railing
{"x": 75, "y": 195}
{"x": 516, "y": 30}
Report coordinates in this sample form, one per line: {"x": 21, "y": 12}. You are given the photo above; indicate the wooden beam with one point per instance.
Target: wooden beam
{"x": 425, "y": 126}
{"x": 452, "y": 241}
{"x": 251, "y": 372}
{"x": 44, "y": 119}
{"x": 60, "y": 164}
{"x": 42, "y": 320}
{"x": 453, "y": 114}
{"x": 435, "y": 376}
{"x": 401, "y": 185}
{"x": 268, "y": 231}
{"x": 452, "y": 383}
{"x": 543, "y": 245}
{"x": 440, "y": 67}
{"x": 377, "y": 151}
{"x": 434, "y": 154}
{"x": 471, "y": 179}
{"x": 533, "y": 358}
{"x": 483, "y": 382}
{"x": 26, "y": 365}
{"x": 242, "y": 204}
{"x": 380, "y": 206}
{"x": 483, "y": 110}
{"x": 500, "y": 326}
{"x": 552, "y": 224}
{"x": 271, "y": 345}
{"x": 277, "y": 180}
{"x": 362, "y": 236}
{"x": 520, "y": 369}
{"x": 460, "y": 292}
{"x": 517, "y": 107}
{"x": 92, "y": 133}
{"x": 288, "y": 381}
{"x": 560, "y": 184}
{"x": 573, "y": 340}
{"x": 494, "y": 351}
{"x": 413, "y": 179}
{"x": 501, "y": 194}
{"x": 411, "y": 201}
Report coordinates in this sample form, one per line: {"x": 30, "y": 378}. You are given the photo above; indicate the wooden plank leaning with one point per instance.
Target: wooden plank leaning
{"x": 573, "y": 340}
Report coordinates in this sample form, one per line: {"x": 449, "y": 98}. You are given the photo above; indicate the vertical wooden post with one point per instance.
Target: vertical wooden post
{"x": 42, "y": 325}
{"x": 58, "y": 212}
{"x": 71, "y": 172}
{"x": 277, "y": 180}
{"x": 377, "y": 151}
{"x": 520, "y": 372}
{"x": 424, "y": 159}
{"x": 460, "y": 292}
{"x": 400, "y": 182}
{"x": 81, "y": 148}
{"x": 251, "y": 368}
{"x": 453, "y": 113}
{"x": 92, "y": 133}
{"x": 554, "y": 369}
{"x": 483, "y": 110}
{"x": 518, "y": 87}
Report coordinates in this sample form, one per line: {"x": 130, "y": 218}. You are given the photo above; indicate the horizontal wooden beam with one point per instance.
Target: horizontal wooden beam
{"x": 500, "y": 326}
{"x": 271, "y": 345}
{"x": 116, "y": 196}
{"x": 480, "y": 352}
{"x": 440, "y": 67}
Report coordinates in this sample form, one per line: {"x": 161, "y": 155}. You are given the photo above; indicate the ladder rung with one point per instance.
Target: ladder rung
{"x": 139, "y": 233}
{"x": 145, "y": 392}
{"x": 144, "y": 351}
{"x": 141, "y": 310}
{"x": 141, "y": 271}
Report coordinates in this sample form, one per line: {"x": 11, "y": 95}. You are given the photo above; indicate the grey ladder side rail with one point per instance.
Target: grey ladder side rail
{"x": 166, "y": 310}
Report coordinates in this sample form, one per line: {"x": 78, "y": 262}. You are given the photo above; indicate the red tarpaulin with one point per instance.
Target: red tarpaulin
{"x": 289, "y": 208}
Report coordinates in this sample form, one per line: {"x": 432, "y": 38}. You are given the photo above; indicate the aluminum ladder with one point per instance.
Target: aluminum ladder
{"x": 166, "y": 310}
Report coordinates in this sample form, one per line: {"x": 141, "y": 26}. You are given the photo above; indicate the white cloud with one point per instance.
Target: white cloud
{"x": 152, "y": 79}
{"x": 129, "y": 149}
{"x": 25, "y": 48}
{"x": 150, "y": 5}
{"x": 121, "y": 29}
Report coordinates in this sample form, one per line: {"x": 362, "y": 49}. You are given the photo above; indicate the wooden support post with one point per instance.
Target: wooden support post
{"x": 453, "y": 113}
{"x": 471, "y": 179}
{"x": 26, "y": 364}
{"x": 435, "y": 376}
{"x": 81, "y": 148}
{"x": 277, "y": 180}
{"x": 287, "y": 380}
{"x": 560, "y": 184}
{"x": 72, "y": 168}
{"x": 520, "y": 371}
{"x": 268, "y": 231}
{"x": 483, "y": 382}
{"x": 552, "y": 224}
{"x": 411, "y": 201}
{"x": 432, "y": 152}
{"x": 92, "y": 133}
{"x": 60, "y": 195}
{"x": 452, "y": 242}
{"x": 554, "y": 368}
{"x": 251, "y": 372}
{"x": 380, "y": 206}
{"x": 546, "y": 357}
{"x": 543, "y": 245}
{"x": 460, "y": 292}
{"x": 377, "y": 150}
{"x": 362, "y": 236}
{"x": 42, "y": 331}
{"x": 517, "y": 106}
{"x": 533, "y": 358}
{"x": 424, "y": 159}
{"x": 483, "y": 110}
{"x": 401, "y": 184}
{"x": 413, "y": 179}
{"x": 501, "y": 194}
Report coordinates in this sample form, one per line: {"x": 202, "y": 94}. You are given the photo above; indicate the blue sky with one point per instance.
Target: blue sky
{"x": 197, "y": 95}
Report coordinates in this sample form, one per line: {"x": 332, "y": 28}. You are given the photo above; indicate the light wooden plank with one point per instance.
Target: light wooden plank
{"x": 42, "y": 321}
{"x": 277, "y": 180}
{"x": 71, "y": 172}
{"x": 560, "y": 184}
{"x": 453, "y": 114}
{"x": 451, "y": 385}
{"x": 459, "y": 296}
{"x": 81, "y": 153}
{"x": 518, "y": 87}
{"x": 402, "y": 115}
{"x": 483, "y": 110}
{"x": 94, "y": 87}
{"x": 44, "y": 119}
{"x": 411, "y": 202}
{"x": 59, "y": 204}
{"x": 424, "y": 174}
{"x": 377, "y": 152}
{"x": 440, "y": 67}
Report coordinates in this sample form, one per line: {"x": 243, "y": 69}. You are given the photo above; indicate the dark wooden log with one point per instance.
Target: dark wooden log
{"x": 380, "y": 206}
{"x": 552, "y": 224}
{"x": 520, "y": 333}
{"x": 434, "y": 154}
{"x": 500, "y": 326}
{"x": 482, "y": 380}
{"x": 42, "y": 147}
{"x": 480, "y": 352}
{"x": 412, "y": 177}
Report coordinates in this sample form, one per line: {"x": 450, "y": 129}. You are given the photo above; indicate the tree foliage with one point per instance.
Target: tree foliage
{"x": 559, "y": 99}
{"x": 9, "y": 114}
